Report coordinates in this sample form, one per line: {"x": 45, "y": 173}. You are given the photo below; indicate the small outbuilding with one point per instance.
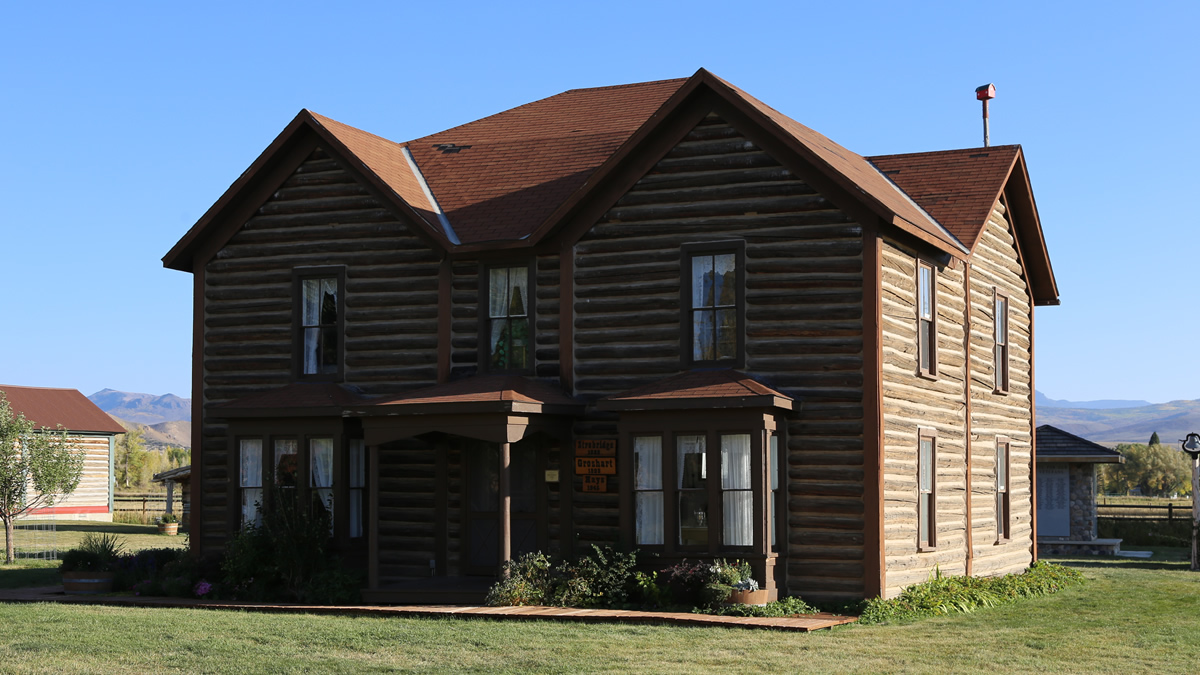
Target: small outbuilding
{"x": 1066, "y": 493}
{"x": 181, "y": 476}
{"x": 91, "y": 429}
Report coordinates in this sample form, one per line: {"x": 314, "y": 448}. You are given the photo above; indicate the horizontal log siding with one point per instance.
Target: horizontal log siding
{"x": 804, "y": 329}
{"x": 911, "y": 401}
{"x": 995, "y": 264}
{"x": 407, "y": 515}
{"x": 319, "y": 216}
{"x": 93, "y": 487}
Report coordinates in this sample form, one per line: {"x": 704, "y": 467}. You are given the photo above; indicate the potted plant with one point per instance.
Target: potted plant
{"x": 88, "y": 569}
{"x": 168, "y": 523}
{"x": 743, "y": 588}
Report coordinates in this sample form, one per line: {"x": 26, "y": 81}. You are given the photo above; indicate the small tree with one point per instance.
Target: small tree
{"x": 131, "y": 458}
{"x": 37, "y": 467}
{"x": 1154, "y": 439}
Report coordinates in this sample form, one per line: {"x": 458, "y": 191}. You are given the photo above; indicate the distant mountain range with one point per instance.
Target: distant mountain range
{"x": 164, "y": 420}
{"x": 143, "y": 408}
{"x": 1121, "y": 421}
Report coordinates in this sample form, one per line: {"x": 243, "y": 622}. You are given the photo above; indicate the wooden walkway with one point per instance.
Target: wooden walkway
{"x": 801, "y": 623}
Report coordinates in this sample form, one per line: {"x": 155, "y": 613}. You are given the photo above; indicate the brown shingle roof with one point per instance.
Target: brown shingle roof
{"x": 708, "y": 388}
{"x": 1055, "y": 444}
{"x": 512, "y": 169}
{"x": 958, "y": 187}
{"x": 53, "y": 407}
{"x": 483, "y": 389}
{"x": 863, "y": 178}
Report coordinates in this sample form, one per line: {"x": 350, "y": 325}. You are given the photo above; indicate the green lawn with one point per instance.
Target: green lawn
{"x": 1131, "y": 616}
{"x": 134, "y": 537}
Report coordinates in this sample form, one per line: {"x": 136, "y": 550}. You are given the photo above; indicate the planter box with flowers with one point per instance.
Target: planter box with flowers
{"x": 168, "y": 523}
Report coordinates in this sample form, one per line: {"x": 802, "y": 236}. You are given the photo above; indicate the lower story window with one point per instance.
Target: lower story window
{"x": 320, "y": 474}
{"x": 357, "y": 483}
{"x": 250, "y": 480}
{"x": 695, "y": 523}
{"x": 1003, "y": 505}
{"x": 926, "y": 490}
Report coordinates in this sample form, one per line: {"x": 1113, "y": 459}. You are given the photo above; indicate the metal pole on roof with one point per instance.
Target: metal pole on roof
{"x": 985, "y": 93}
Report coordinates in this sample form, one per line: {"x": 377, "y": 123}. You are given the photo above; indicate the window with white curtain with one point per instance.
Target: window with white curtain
{"x": 692, "y": 490}
{"x": 285, "y": 468}
{"x": 773, "y": 472}
{"x": 320, "y": 474}
{"x": 737, "y": 494}
{"x": 648, "y": 490}
{"x": 926, "y": 489}
{"x": 320, "y": 326}
{"x": 926, "y": 319}
{"x": 250, "y": 479}
{"x": 356, "y": 482}
{"x": 508, "y": 330}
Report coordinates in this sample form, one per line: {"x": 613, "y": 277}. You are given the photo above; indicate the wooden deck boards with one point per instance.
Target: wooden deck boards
{"x": 804, "y": 623}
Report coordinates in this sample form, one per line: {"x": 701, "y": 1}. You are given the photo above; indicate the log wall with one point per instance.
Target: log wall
{"x": 911, "y": 402}
{"x": 319, "y": 216}
{"x": 995, "y": 264}
{"x": 804, "y": 329}
{"x": 407, "y": 513}
{"x": 94, "y": 486}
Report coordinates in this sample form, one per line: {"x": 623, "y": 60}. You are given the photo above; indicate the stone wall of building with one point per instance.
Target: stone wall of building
{"x": 1083, "y": 501}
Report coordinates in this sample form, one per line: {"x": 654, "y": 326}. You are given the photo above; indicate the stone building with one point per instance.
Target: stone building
{"x": 1066, "y": 493}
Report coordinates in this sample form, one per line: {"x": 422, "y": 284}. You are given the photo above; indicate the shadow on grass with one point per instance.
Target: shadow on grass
{"x": 25, "y": 575}
{"x": 116, "y": 528}
{"x": 1165, "y": 558}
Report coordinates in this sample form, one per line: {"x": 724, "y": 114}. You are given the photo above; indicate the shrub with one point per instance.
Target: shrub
{"x": 954, "y": 594}
{"x": 144, "y": 567}
{"x": 97, "y": 552}
{"x": 708, "y": 584}
{"x": 602, "y": 578}
{"x": 790, "y": 606}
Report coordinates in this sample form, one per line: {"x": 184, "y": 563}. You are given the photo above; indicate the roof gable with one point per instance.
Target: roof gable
{"x": 1054, "y": 443}
{"x": 51, "y": 408}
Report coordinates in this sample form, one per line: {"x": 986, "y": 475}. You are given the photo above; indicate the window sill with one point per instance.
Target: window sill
{"x": 926, "y": 549}
{"x": 1000, "y": 541}
{"x": 927, "y": 375}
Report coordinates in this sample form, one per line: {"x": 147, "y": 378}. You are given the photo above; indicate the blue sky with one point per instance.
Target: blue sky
{"x": 125, "y": 121}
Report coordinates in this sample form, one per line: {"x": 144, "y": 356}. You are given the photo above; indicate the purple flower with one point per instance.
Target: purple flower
{"x": 202, "y": 588}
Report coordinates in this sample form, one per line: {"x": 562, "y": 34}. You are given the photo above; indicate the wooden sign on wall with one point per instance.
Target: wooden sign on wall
{"x": 592, "y": 447}
{"x": 595, "y": 483}
{"x": 596, "y": 466}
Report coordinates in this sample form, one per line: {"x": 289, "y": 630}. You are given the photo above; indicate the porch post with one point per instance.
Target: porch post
{"x": 373, "y": 517}
{"x": 170, "y": 495}
{"x": 505, "y": 504}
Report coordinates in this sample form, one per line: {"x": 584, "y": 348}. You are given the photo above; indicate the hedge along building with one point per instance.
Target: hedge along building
{"x": 661, "y": 316}
{"x": 90, "y": 429}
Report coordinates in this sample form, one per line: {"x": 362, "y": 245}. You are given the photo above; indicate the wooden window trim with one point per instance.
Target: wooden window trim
{"x": 1002, "y": 353}
{"x": 299, "y": 274}
{"x": 931, "y": 337}
{"x": 931, "y": 543}
{"x": 485, "y": 321}
{"x": 686, "y": 348}
{"x": 1004, "y": 498}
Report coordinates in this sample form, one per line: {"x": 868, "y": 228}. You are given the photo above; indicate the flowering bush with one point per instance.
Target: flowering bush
{"x": 708, "y": 584}
{"x": 202, "y": 588}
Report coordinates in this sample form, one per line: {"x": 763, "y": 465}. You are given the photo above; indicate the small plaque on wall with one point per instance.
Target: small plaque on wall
{"x": 593, "y": 447}
{"x": 551, "y": 475}
{"x": 595, "y": 483}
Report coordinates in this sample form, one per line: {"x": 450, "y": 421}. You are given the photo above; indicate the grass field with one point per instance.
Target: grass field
{"x": 133, "y": 537}
{"x": 1131, "y": 616}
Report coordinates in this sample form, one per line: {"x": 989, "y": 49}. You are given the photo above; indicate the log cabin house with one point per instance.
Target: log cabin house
{"x": 90, "y": 429}
{"x": 660, "y": 316}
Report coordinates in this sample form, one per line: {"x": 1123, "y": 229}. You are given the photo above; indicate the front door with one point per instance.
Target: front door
{"x": 483, "y": 504}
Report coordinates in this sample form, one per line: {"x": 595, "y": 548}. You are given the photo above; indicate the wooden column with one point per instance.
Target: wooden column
{"x": 373, "y": 517}
{"x": 170, "y": 496}
{"x": 505, "y": 504}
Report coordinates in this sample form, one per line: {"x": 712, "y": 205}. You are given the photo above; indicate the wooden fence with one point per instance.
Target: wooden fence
{"x": 1162, "y": 512}
{"x": 154, "y": 504}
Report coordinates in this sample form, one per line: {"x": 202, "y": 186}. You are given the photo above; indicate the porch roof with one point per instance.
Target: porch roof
{"x": 481, "y": 394}
{"x": 726, "y": 388}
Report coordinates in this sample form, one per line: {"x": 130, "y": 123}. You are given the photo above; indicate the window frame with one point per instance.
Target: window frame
{"x": 1003, "y": 491}
{"x": 242, "y": 522}
{"x": 927, "y": 334}
{"x": 686, "y": 312}
{"x": 1001, "y": 352}
{"x": 929, "y": 543}
{"x": 299, "y": 276}
{"x": 485, "y": 320}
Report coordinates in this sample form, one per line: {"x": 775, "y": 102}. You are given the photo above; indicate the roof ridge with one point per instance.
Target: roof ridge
{"x": 322, "y": 119}
{"x": 28, "y": 386}
{"x": 943, "y": 152}
{"x": 624, "y": 86}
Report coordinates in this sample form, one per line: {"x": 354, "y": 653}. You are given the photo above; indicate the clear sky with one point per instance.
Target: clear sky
{"x": 125, "y": 121}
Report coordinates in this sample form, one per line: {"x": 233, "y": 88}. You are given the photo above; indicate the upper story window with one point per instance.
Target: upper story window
{"x": 320, "y": 312}
{"x": 714, "y": 303}
{"x": 1001, "y": 340}
{"x": 508, "y": 331}
{"x": 927, "y": 319}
